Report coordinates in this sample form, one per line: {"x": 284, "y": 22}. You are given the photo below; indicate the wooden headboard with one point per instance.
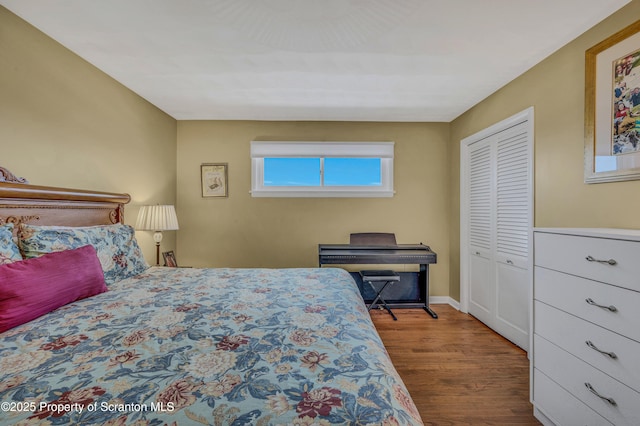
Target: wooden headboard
{"x": 44, "y": 205}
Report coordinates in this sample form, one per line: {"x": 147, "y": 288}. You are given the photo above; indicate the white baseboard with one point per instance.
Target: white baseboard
{"x": 444, "y": 300}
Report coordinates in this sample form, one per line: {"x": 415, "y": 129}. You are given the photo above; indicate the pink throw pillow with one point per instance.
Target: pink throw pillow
{"x": 34, "y": 287}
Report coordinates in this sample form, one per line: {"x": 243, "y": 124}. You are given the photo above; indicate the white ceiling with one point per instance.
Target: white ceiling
{"x": 356, "y": 60}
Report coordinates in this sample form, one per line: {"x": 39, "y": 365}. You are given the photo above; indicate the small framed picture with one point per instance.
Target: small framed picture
{"x": 214, "y": 179}
{"x": 169, "y": 259}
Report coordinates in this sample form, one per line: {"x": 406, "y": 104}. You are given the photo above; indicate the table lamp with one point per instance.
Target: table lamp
{"x": 157, "y": 218}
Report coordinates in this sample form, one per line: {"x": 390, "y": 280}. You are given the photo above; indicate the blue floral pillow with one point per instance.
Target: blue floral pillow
{"x": 118, "y": 251}
{"x": 9, "y": 251}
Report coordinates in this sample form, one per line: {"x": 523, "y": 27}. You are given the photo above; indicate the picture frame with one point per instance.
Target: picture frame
{"x": 612, "y": 110}
{"x": 214, "y": 178}
{"x": 169, "y": 259}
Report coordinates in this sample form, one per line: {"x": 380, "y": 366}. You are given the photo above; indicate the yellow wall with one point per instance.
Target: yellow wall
{"x": 241, "y": 231}
{"x": 65, "y": 123}
{"x": 555, "y": 88}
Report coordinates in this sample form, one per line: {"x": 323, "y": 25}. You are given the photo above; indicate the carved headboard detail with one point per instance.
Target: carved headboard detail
{"x": 17, "y": 220}
{"x": 44, "y": 205}
{"x": 7, "y": 176}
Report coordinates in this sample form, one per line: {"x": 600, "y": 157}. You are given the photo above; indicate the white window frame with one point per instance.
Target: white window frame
{"x": 261, "y": 150}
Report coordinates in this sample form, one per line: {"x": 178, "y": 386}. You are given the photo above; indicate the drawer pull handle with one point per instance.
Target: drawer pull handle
{"x": 611, "y": 355}
{"x": 610, "y": 308}
{"x": 593, "y": 391}
{"x": 593, "y": 259}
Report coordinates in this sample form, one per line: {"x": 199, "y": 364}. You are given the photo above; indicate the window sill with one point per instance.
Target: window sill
{"x": 321, "y": 194}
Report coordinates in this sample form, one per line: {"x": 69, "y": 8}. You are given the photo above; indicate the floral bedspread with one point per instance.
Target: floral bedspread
{"x": 206, "y": 346}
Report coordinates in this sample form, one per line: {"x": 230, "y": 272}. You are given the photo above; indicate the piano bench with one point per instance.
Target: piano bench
{"x": 384, "y": 276}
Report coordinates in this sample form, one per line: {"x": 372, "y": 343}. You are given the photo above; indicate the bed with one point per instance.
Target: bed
{"x": 175, "y": 346}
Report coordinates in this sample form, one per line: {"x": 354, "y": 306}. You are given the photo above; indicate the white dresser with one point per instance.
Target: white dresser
{"x": 586, "y": 326}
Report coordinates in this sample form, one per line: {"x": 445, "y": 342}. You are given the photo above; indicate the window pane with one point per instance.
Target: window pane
{"x": 291, "y": 172}
{"x": 352, "y": 172}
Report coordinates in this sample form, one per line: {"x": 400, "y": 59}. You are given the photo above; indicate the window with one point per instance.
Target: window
{"x": 322, "y": 169}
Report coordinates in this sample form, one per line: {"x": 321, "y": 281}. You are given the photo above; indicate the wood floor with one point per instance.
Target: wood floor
{"x": 458, "y": 371}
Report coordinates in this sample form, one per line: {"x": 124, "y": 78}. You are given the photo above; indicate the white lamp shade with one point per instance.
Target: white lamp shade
{"x": 157, "y": 218}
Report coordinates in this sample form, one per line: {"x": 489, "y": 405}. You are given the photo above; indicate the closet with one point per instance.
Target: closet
{"x": 496, "y": 226}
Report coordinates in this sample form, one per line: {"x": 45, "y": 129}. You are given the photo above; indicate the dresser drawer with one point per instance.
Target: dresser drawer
{"x": 576, "y": 376}
{"x": 572, "y": 334}
{"x": 560, "y": 406}
{"x": 570, "y": 293}
{"x": 569, "y": 253}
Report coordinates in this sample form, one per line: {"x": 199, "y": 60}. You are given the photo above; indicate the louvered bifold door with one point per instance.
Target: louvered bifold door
{"x": 512, "y": 210}
{"x": 480, "y": 225}
{"x": 480, "y": 197}
{"x": 497, "y": 219}
{"x": 512, "y": 196}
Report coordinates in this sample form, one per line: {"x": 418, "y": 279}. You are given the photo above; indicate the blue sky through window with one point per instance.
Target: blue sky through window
{"x": 337, "y": 172}
{"x": 352, "y": 172}
{"x": 292, "y": 172}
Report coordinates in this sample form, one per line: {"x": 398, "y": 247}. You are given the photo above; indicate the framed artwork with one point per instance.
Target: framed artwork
{"x": 214, "y": 179}
{"x": 612, "y": 108}
{"x": 169, "y": 259}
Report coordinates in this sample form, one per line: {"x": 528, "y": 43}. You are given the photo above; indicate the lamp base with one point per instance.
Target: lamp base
{"x": 157, "y": 237}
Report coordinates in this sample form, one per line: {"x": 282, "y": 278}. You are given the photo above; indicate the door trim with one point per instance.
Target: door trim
{"x": 523, "y": 116}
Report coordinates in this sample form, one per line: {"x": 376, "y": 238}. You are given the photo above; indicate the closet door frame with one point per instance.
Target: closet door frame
{"x": 526, "y": 115}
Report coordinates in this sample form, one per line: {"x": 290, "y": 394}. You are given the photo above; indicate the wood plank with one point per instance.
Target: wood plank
{"x": 457, "y": 370}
